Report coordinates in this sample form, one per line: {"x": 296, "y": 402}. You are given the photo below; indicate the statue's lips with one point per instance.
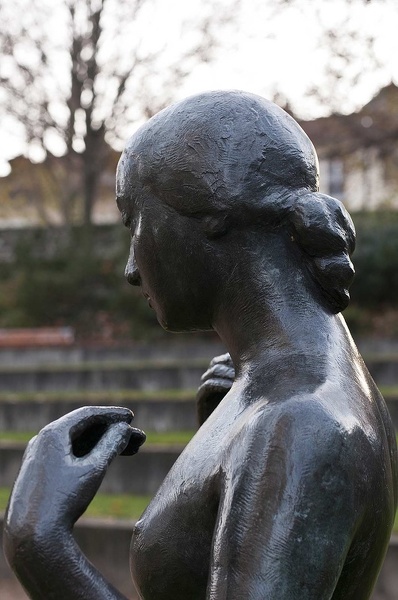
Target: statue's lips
{"x": 148, "y": 299}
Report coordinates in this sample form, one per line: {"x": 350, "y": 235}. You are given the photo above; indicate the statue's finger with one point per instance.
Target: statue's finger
{"x": 222, "y": 358}
{"x": 87, "y": 416}
{"x": 112, "y": 442}
{"x": 219, "y": 371}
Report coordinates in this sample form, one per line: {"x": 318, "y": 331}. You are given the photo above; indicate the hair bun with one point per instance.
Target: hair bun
{"x": 325, "y": 232}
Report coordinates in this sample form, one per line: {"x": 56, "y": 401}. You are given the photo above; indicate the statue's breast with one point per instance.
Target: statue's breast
{"x": 171, "y": 543}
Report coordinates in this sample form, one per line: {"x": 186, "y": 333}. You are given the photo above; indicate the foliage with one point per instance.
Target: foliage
{"x": 75, "y": 286}
{"x": 376, "y": 259}
{"x": 374, "y": 292}
{"x": 64, "y": 278}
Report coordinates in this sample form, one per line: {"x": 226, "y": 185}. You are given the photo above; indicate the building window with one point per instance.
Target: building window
{"x": 336, "y": 178}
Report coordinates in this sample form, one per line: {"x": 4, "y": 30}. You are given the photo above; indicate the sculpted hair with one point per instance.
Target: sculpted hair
{"x": 235, "y": 158}
{"x": 325, "y": 233}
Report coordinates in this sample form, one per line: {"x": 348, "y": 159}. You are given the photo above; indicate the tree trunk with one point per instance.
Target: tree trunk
{"x": 93, "y": 162}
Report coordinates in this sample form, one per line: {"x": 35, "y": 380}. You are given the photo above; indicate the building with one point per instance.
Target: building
{"x": 358, "y": 153}
{"x": 358, "y": 162}
{"x": 50, "y": 193}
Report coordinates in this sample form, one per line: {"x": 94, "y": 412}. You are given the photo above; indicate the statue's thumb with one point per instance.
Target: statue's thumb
{"x": 114, "y": 440}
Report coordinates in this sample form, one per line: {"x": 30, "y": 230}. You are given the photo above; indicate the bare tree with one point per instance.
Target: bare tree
{"x": 348, "y": 33}
{"x": 350, "y": 59}
{"x": 76, "y": 73}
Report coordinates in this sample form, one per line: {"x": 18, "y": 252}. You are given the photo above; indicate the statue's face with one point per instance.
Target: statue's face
{"x": 167, "y": 256}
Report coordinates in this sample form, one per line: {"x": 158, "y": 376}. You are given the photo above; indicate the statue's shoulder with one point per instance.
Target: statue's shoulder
{"x": 305, "y": 425}
{"x": 299, "y": 445}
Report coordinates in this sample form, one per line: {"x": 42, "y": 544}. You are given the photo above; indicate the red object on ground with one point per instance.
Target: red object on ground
{"x": 43, "y": 336}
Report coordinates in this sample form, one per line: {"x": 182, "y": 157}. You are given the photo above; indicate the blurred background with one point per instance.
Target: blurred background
{"x": 77, "y": 77}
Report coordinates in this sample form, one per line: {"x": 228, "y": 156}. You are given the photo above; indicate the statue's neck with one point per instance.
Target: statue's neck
{"x": 272, "y": 312}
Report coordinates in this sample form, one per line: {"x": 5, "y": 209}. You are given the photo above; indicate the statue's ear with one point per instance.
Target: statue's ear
{"x": 214, "y": 226}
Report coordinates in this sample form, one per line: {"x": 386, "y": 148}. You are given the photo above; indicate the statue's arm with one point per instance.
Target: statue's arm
{"x": 62, "y": 469}
{"x": 60, "y": 572}
{"x": 286, "y": 520}
{"x": 215, "y": 384}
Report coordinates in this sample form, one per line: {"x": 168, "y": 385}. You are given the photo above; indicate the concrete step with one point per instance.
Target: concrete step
{"x": 384, "y": 369}
{"x": 155, "y": 412}
{"x": 107, "y": 543}
{"x": 182, "y": 347}
{"x": 392, "y": 405}
{"x": 147, "y": 375}
{"x": 127, "y": 353}
{"x": 140, "y": 474}
{"x": 162, "y": 411}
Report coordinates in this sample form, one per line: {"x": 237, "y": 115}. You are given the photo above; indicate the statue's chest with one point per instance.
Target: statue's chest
{"x": 171, "y": 544}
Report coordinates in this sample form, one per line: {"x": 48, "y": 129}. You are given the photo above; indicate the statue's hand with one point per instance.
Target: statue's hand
{"x": 216, "y": 382}
{"x": 61, "y": 471}
{"x": 63, "y": 467}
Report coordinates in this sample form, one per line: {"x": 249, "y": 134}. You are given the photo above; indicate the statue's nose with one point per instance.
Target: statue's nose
{"x": 132, "y": 276}
{"x": 131, "y": 272}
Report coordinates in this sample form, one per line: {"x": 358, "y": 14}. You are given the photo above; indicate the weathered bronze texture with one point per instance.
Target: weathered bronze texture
{"x": 289, "y": 488}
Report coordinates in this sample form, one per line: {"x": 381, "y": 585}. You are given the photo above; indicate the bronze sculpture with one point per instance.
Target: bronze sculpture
{"x": 289, "y": 488}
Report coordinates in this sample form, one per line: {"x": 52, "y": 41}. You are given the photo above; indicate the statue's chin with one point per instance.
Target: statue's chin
{"x": 183, "y": 329}
{"x": 182, "y": 321}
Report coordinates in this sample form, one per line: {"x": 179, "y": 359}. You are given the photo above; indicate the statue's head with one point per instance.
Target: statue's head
{"x": 222, "y": 151}
{"x": 226, "y": 159}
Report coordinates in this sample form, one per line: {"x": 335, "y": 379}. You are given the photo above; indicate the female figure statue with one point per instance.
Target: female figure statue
{"x": 289, "y": 488}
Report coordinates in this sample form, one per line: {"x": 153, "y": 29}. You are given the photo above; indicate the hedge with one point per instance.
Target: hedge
{"x": 63, "y": 278}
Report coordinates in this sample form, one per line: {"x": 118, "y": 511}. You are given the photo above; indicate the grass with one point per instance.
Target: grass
{"x": 153, "y": 437}
{"x": 158, "y": 363}
{"x": 390, "y": 391}
{"x": 154, "y": 364}
{"x": 380, "y": 357}
{"x": 4, "y": 495}
{"x": 119, "y": 396}
{"x": 98, "y": 397}
{"x": 122, "y": 506}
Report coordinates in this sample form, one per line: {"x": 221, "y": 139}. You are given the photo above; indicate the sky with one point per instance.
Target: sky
{"x": 288, "y": 52}
{"x": 265, "y": 51}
